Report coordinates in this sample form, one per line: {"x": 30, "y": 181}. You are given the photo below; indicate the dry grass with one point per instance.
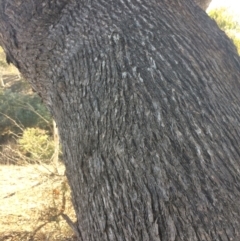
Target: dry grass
{"x": 4, "y": 67}
{"x": 32, "y": 199}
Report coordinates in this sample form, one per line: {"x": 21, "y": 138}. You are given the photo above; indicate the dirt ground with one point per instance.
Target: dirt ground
{"x": 32, "y": 199}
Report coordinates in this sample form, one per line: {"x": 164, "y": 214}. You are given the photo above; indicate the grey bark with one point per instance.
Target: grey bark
{"x": 204, "y": 4}
{"x": 145, "y": 94}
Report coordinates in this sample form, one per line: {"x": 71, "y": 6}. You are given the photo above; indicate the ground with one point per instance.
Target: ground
{"x": 32, "y": 199}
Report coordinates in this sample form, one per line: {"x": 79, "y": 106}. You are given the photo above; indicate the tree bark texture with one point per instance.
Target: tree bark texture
{"x": 204, "y": 4}
{"x": 145, "y": 94}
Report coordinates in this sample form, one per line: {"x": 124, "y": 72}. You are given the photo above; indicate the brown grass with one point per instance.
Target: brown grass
{"x": 4, "y": 67}
{"x": 32, "y": 199}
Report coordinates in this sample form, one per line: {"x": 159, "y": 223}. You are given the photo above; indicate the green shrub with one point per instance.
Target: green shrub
{"x": 227, "y": 23}
{"x": 224, "y": 20}
{"x": 19, "y": 110}
{"x": 35, "y": 143}
{"x": 235, "y": 39}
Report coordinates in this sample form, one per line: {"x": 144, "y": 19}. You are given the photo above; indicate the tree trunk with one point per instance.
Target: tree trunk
{"x": 203, "y": 3}
{"x": 145, "y": 94}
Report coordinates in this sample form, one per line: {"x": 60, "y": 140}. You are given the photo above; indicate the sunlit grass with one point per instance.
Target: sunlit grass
{"x": 6, "y": 69}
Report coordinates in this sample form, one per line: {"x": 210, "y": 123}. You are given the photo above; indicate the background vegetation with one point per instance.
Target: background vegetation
{"x": 228, "y": 24}
{"x": 26, "y": 133}
{"x": 34, "y": 192}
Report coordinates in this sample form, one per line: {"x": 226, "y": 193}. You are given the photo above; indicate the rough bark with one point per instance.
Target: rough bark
{"x": 204, "y": 4}
{"x": 145, "y": 94}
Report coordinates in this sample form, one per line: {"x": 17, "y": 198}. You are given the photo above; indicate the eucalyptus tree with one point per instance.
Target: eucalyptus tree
{"x": 145, "y": 94}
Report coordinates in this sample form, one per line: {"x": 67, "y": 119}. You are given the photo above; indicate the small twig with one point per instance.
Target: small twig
{"x": 13, "y": 193}
{"x": 37, "y": 229}
{"x": 8, "y": 117}
{"x": 30, "y": 107}
{"x": 9, "y": 195}
{"x": 73, "y": 226}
